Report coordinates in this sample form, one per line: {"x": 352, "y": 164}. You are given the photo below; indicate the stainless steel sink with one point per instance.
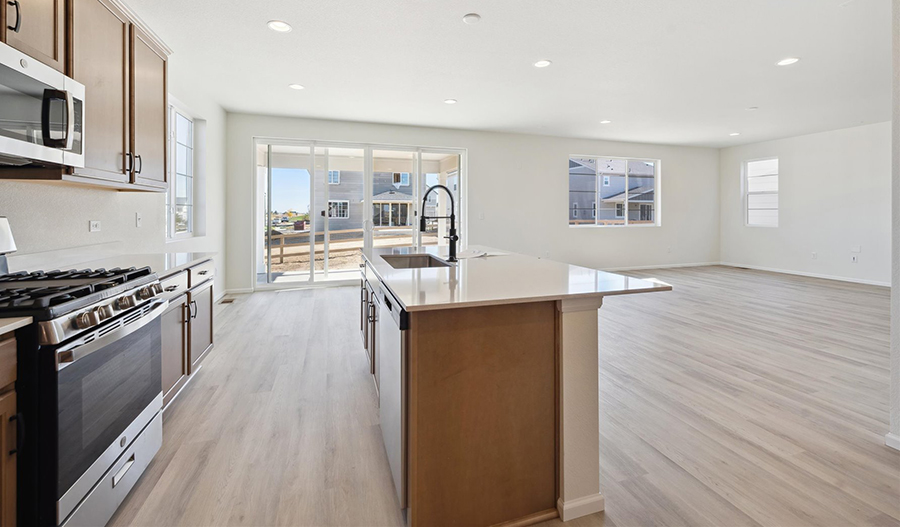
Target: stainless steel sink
{"x": 413, "y": 261}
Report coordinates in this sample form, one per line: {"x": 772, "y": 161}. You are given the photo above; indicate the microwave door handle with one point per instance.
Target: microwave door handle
{"x": 70, "y": 121}
{"x": 57, "y": 95}
{"x": 70, "y": 354}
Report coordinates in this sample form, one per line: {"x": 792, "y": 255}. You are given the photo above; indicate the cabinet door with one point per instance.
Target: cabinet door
{"x": 149, "y": 112}
{"x": 100, "y": 61}
{"x": 201, "y": 326}
{"x": 8, "y": 460}
{"x": 174, "y": 347}
{"x": 41, "y": 29}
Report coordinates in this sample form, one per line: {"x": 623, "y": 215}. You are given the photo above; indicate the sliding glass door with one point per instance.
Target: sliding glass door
{"x": 320, "y": 204}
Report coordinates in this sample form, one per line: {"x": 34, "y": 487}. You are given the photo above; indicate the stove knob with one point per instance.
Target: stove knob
{"x": 86, "y": 320}
{"x": 126, "y": 302}
{"x": 100, "y": 313}
{"x": 157, "y": 289}
{"x": 145, "y": 293}
{"x": 106, "y": 312}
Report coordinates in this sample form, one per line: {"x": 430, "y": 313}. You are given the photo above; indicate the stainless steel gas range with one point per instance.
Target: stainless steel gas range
{"x": 89, "y": 389}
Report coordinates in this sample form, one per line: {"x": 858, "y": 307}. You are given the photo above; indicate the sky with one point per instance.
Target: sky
{"x": 290, "y": 189}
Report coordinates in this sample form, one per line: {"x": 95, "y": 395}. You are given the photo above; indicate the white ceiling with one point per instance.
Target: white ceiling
{"x": 663, "y": 71}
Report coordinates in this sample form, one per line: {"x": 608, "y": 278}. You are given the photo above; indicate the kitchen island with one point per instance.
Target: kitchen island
{"x": 487, "y": 375}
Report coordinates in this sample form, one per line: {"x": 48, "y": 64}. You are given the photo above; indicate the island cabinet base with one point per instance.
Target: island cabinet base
{"x": 483, "y": 415}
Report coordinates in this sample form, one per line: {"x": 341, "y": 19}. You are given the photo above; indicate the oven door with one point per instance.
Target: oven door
{"x": 110, "y": 387}
{"x": 41, "y": 113}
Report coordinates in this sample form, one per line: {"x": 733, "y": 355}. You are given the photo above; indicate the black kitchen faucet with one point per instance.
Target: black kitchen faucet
{"x": 453, "y": 237}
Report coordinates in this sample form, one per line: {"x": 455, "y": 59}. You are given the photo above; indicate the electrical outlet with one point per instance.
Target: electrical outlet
{"x": 138, "y": 220}
{"x": 480, "y": 215}
{"x": 668, "y": 249}
{"x": 94, "y": 226}
{"x": 854, "y": 259}
{"x": 815, "y": 256}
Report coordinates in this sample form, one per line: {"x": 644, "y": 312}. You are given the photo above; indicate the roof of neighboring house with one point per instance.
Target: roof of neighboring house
{"x": 392, "y": 196}
{"x": 579, "y": 167}
{"x": 644, "y": 194}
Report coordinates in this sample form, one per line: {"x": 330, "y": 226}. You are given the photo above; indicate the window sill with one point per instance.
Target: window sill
{"x": 614, "y": 226}
{"x": 181, "y": 238}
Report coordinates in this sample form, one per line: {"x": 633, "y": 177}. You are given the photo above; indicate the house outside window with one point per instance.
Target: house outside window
{"x": 339, "y": 209}
{"x": 618, "y": 191}
{"x": 401, "y": 179}
{"x": 180, "y": 194}
{"x": 334, "y": 177}
{"x": 761, "y": 193}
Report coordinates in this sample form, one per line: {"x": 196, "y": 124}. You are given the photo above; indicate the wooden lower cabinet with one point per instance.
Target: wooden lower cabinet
{"x": 8, "y": 459}
{"x": 174, "y": 347}
{"x": 201, "y": 325}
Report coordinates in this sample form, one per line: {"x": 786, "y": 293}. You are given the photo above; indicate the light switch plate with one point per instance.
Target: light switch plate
{"x": 94, "y": 226}
{"x": 138, "y": 220}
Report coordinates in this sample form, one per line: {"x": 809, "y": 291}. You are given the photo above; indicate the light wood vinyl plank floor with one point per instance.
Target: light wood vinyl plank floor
{"x": 742, "y": 398}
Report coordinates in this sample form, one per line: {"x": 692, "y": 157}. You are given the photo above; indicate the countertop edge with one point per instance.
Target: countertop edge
{"x": 11, "y": 324}
{"x": 501, "y": 302}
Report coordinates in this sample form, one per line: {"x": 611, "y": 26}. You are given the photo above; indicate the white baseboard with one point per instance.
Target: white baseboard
{"x": 892, "y": 440}
{"x": 569, "y": 510}
{"x": 660, "y": 266}
{"x": 242, "y": 291}
{"x": 809, "y": 275}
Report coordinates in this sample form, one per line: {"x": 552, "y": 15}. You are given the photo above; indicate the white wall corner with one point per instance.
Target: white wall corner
{"x": 892, "y": 437}
{"x": 892, "y": 440}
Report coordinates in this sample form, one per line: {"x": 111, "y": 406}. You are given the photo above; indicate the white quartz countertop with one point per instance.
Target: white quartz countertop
{"x": 12, "y": 324}
{"x": 162, "y": 264}
{"x": 499, "y": 278}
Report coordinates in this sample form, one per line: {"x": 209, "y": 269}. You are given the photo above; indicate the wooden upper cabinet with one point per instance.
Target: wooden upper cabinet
{"x": 41, "y": 29}
{"x": 149, "y": 110}
{"x": 100, "y": 43}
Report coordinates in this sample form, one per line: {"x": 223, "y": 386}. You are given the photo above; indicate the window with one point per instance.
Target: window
{"x": 401, "y": 179}
{"x": 334, "y": 177}
{"x": 339, "y": 209}
{"x": 761, "y": 188}
{"x": 180, "y": 195}
{"x": 618, "y": 191}
{"x": 391, "y": 214}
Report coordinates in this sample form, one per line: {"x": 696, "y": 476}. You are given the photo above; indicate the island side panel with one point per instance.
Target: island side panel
{"x": 483, "y": 414}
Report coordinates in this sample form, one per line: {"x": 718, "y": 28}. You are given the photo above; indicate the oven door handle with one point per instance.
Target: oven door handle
{"x": 68, "y": 355}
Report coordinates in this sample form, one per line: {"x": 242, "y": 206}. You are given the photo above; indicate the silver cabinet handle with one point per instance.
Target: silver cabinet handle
{"x": 124, "y": 470}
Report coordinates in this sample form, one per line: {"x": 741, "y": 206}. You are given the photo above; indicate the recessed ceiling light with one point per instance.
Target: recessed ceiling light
{"x": 295, "y": 86}
{"x": 450, "y": 101}
{"x": 732, "y": 134}
{"x": 753, "y": 108}
{"x": 542, "y": 63}
{"x": 280, "y": 26}
{"x": 788, "y": 61}
{"x": 472, "y": 18}
{"x": 605, "y": 121}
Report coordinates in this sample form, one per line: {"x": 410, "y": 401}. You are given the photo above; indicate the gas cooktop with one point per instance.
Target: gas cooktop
{"x": 47, "y": 295}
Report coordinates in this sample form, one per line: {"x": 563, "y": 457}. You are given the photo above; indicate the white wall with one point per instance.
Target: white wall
{"x": 48, "y": 217}
{"x": 519, "y": 183}
{"x": 834, "y": 194}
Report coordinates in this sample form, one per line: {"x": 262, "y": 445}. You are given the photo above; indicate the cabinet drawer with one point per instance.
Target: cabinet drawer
{"x": 7, "y": 362}
{"x": 175, "y": 284}
{"x": 201, "y": 273}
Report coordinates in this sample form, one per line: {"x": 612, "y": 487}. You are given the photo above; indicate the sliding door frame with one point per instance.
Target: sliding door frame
{"x": 368, "y": 187}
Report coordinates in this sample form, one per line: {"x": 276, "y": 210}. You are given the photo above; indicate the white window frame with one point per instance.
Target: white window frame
{"x": 346, "y": 217}
{"x": 335, "y": 181}
{"x": 603, "y": 179}
{"x": 745, "y": 184}
{"x": 172, "y": 147}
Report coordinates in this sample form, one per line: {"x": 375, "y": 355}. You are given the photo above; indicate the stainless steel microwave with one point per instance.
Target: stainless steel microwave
{"x": 41, "y": 113}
